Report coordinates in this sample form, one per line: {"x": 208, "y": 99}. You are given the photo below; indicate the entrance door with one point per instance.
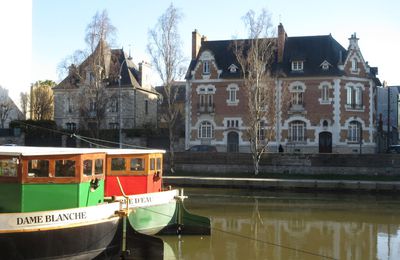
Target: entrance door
{"x": 233, "y": 142}
{"x": 325, "y": 142}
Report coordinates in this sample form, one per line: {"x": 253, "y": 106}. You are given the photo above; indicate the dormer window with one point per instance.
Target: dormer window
{"x": 206, "y": 67}
{"x": 325, "y": 65}
{"x": 232, "y": 68}
{"x": 297, "y": 65}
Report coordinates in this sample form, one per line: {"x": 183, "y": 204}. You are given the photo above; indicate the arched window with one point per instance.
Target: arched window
{"x": 206, "y": 130}
{"x": 354, "y": 131}
{"x": 297, "y": 130}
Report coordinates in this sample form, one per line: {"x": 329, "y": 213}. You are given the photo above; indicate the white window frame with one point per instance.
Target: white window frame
{"x": 206, "y": 97}
{"x": 353, "y": 134}
{"x": 358, "y": 96}
{"x": 325, "y": 88}
{"x": 354, "y": 95}
{"x": 349, "y": 95}
{"x": 232, "y": 122}
{"x": 206, "y": 67}
{"x": 232, "y": 95}
{"x": 232, "y": 90}
{"x": 232, "y": 68}
{"x": 297, "y": 131}
{"x": 354, "y": 65}
{"x": 206, "y": 130}
{"x": 297, "y": 95}
{"x": 297, "y": 65}
{"x": 325, "y": 93}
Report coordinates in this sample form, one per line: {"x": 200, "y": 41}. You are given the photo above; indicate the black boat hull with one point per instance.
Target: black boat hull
{"x": 97, "y": 240}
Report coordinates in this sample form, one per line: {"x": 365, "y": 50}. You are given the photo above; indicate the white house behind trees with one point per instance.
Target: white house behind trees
{"x": 136, "y": 95}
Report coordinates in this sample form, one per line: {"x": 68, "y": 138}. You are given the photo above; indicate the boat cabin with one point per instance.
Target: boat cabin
{"x": 43, "y": 178}
{"x": 137, "y": 170}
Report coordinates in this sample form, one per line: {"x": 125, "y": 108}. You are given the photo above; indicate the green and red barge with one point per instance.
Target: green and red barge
{"x": 71, "y": 203}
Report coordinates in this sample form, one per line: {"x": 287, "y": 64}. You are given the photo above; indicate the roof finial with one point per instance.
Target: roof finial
{"x": 129, "y": 57}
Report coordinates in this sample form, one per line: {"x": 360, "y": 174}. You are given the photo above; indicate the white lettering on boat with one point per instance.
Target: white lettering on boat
{"x": 53, "y": 218}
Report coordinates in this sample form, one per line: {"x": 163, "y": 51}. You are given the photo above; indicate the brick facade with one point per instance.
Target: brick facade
{"x": 323, "y": 107}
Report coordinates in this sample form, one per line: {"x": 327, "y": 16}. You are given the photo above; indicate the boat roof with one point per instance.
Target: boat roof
{"x": 37, "y": 151}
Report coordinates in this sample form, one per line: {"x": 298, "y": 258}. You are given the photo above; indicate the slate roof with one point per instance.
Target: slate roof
{"x": 224, "y": 57}
{"x": 312, "y": 50}
{"x": 130, "y": 75}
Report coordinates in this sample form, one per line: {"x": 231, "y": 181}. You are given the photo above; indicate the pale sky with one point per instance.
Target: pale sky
{"x": 37, "y": 35}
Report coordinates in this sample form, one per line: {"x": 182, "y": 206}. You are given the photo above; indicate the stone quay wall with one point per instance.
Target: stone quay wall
{"x": 348, "y": 164}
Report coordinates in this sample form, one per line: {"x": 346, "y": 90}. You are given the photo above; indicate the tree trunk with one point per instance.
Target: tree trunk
{"x": 256, "y": 163}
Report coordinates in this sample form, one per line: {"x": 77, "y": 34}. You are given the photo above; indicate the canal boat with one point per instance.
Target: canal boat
{"x": 135, "y": 175}
{"x": 52, "y": 204}
{"x": 73, "y": 202}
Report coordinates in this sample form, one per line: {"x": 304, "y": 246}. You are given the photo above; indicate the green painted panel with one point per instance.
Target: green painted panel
{"x": 88, "y": 197}
{"x": 10, "y": 197}
{"x": 151, "y": 220}
{"x": 49, "y": 196}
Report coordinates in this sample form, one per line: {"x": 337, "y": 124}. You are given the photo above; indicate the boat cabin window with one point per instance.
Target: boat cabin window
{"x": 65, "y": 168}
{"x": 152, "y": 164}
{"x": 137, "y": 164}
{"x": 159, "y": 164}
{"x": 87, "y": 167}
{"x": 38, "y": 168}
{"x": 98, "y": 166}
{"x": 8, "y": 167}
{"x": 118, "y": 164}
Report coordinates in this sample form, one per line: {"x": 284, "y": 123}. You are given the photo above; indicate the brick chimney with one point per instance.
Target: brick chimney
{"x": 196, "y": 43}
{"x": 281, "y": 42}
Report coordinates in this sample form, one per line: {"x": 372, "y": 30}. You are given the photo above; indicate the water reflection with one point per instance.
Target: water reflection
{"x": 266, "y": 225}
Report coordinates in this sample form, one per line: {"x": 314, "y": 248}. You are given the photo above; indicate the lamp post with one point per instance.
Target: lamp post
{"x": 119, "y": 99}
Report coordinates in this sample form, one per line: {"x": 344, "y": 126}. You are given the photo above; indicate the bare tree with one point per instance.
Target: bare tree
{"x": 6, "y": 106}
{"x": 24, "y": 101}
{"x": 92, "y": 71}
{"x": 42, "y": 100}
{"x": 165, "y": 48}
{"x": 255, "y": 56}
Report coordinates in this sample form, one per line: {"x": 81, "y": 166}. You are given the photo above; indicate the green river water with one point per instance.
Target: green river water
{"x": 283, "y": 225}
